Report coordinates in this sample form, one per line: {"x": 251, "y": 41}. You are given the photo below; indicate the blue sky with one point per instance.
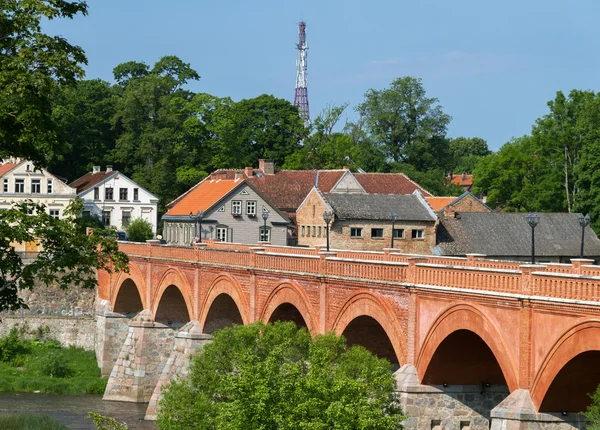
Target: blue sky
{"x": 492, "y": 65}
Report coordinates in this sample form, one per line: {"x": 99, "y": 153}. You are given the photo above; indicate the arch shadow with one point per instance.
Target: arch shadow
{"x": 173, "y": 278}
{"x": 289, "y": 292}
{"x": 228, "y": 285}
{"x": 135, "y": 276}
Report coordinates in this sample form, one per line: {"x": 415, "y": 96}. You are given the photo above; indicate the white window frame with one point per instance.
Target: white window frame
{"x": 236, "y": 207}
{"x": 418, "y": 233}
{"x": 356, "y": 230}
{"x": 251, "y": 207}
{"x": 20, "y": 185}
{"x": 54, "y": 213}
{"x": 50, "y": 186}
{"x": 5, "y": 185}
{"x": 37, "y": 183}
{"x": 265, "y": 234}
{"x": 221, "y": 234}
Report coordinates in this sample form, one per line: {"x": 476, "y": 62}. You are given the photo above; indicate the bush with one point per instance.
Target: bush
{"x": 592, "y": 413}
{"x": 11, "y": 346}
{"x": 139, "y": 230}
{"x": 278, "y": 376}
{"x": 106, "y": 423}
{"x": 27, "y": 422}
{"x": 54, "y": 366}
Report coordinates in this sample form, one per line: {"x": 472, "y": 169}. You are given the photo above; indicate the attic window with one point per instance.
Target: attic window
{"x": 244, "y": 192}
{"x": 221, "y": 209}
{"x": 259, "y": 174}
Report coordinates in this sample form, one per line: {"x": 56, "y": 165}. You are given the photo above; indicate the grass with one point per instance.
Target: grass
{"x": 29, "y": 422}
{"x": 45, "y": 366}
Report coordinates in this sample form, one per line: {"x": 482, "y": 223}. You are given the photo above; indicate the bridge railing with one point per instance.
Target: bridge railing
{"x": 375, "y": 270}
{"x": 566, "y": 286}
{"x": 288, "y": 262}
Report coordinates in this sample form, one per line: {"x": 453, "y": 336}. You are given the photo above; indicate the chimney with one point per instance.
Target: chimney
{"x": 96, "y": 169}
{"x": 267, "y": 166}
{"x": 109, "y": 168}
{"x": 219, "y": 174}
{"x": 248, "y": 171}
{"x": 346, "y": 168}
{"x": 238, "y": 176}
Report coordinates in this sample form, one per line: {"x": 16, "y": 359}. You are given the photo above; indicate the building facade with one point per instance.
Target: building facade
{"x": 115, "y": 199}
{"x": 231, "y": 211}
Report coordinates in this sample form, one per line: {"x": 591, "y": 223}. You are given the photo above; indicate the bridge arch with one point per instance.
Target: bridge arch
{"x": 468, "y": 322}
{"x": 289, "y": 293}
{"x": 564, "y": 365}
{"x": 172, "y": 298}
{"x": 227, "y": 292}
{"x": 124, "y": 281}
{"x": 372, "y": 309}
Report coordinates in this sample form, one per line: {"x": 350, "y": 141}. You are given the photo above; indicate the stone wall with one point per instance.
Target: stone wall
{"x": 80, "y": 332}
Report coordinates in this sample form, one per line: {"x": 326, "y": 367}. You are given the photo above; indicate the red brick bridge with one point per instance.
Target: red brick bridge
{"x": 476, "y": 342}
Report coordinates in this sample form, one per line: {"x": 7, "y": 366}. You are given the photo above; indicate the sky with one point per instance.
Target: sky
{"x": 493, "y": 66}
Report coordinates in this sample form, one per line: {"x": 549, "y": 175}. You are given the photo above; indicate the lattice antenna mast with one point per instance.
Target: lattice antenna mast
{"x": 301, "y": 94}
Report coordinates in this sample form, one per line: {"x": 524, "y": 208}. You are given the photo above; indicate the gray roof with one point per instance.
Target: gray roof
{"x": 508, "y": 234}
{"x": 378, "y": 206}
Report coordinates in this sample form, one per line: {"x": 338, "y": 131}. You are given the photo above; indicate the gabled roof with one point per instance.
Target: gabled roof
{"x": 378, "y": 206}
{"x": 204, "y": 196}
{"x": 464, "y": 180}
{"x": 389, "y": 183}
{"x": 7, "y": 167}
{"x": 508, "y": 234}
{"x": 90, "y": 179}
{"x": 439, "y": 203}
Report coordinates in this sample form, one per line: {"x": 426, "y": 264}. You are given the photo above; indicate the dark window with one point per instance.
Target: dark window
{"x": 398, "y": 233}
{"x": 36, "y": 186}
{"x": 50, "y": 186}
{"x": 265, "y": 234}
{"x": 125, "y": 218}
{"x": 19, "y": 185}
{"x": 417, "y": 234}
{"x": 377, "y": 232}
{"x": 54, "y": 213}
{"x": 5, "y": 189}
{"x": 136, "y": 196}
{"x": 96, "y": 193}
{"x": 108, "y": 194}
{"x": 122, "y": 193}
{"x": 106, "y": 218}
{"x": 86, "y": 213}
{"x": 355, "y": 232}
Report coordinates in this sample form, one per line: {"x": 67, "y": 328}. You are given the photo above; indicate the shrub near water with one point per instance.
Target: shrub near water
{"x": 43, "y": 365}
{"x": 28, "y": 422}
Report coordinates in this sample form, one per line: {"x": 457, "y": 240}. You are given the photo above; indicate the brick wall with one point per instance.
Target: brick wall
{"x": 468, "y": 203}
{"x": 309, "y": 219}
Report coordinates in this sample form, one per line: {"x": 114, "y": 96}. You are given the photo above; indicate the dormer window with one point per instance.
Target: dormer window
{"x": 28, "y": 168}
{"x": 50, "y": 186}
{"x": 5, "y": 185}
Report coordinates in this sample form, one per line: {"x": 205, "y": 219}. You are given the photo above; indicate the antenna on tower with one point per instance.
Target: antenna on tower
{"x": 301, "y": 93}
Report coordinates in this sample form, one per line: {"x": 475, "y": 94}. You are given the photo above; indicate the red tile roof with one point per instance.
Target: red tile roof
{"x": 203, "y": 196}
{"x": 6, "y": 167}
{"x": 88, "y": 180}
{"x": 463, "y": 180}
{"x": 389, "y": 183}
{"x": 439, "y": 203}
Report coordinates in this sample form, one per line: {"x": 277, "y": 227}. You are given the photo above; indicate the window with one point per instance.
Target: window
{"x": 5, "y": 189}
{"x": 377, "y": 233}
{"x": 50, "y": 187}
{"x": 319, "y": 234}
{"x": 236, "y": 207}
{"x": 251, "y": 207}
{"x": 122, "y": 193}
{"x": 265, "y": 234}
{"x": 36, "y": 186}
{"x": 221, "y": 209}
{"x": 108, "y": 193}
{"x": 303, "y": 231}
{"x": 86, "y": 213}
{"x": 136, "y": 194}
{"x": 222, "y": 234}
{"x": 106, "y": 218}
{"x": 28, "y": 167}
{"x": 398, "y": 233}
{"x": 54, "y": 213}
{"x": 417, "y": 234}
{"x": 125, "y": 218}
{"x": 314, "y": 229}
{"x": 19, "y": 185}
{"x": 355, "y": 232}
{"x": 96, "y": 193}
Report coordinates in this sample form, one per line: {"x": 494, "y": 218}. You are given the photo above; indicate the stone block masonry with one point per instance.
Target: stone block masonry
{"x": 79, "y": 332}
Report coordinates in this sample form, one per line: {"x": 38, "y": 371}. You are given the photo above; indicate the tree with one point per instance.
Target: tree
{"x": 407, "y": 125}
{"x": 465, "y": 152}
{"x": 278, "y": 377}
{"x": 592, "y": 413}
{"x": 66, "y": 255}
{"x": 33, "y": 66}
{"x": 139, "y": 230}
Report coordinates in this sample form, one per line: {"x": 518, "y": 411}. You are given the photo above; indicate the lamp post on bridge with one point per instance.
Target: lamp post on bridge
{"x": 584, "y": 221}
{"x": 327, "y": 215}
{"x": 393, "y": 217}
{"x": 197, "y": 217}
{"x": 533, "y": 220}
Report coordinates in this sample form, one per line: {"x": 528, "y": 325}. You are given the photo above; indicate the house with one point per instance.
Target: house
{"x": 232, "y": 210}
{"x": 21, "y": 181}
{"x": 466, "y": 202}
{"x": 361, "y": 221}
{"x": 287, "y": 189}
{"x": 507, "y": 236}
{"x": 465, "y": 181}
{"x": 115, "y": 199}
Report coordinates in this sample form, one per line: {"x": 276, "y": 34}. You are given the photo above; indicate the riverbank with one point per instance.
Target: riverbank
{"x": 42, "y": 365}
{"x": 27, "y": 421}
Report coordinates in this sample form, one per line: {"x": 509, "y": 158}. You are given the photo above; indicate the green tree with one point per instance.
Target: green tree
{"x": 465, "y": 152}
{"x": 592, "y": 413}
{"x": 66, "y": 255}
{"x": 409, "y": 126}
{"x": 33, "y": 66}
{"x": 139, "y": 230}
{"x": 278, "y": 377}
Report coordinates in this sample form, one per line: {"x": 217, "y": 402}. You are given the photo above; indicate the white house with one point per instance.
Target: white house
{"x": 114, "y": 198}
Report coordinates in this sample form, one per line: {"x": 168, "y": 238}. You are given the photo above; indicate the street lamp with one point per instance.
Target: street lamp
{"x": 265, "y": 217}
{"x": 393, "y": 217}
{"x": 198, "y": 224}
{"x": 584, "y": 221}
{"x": 533, "y": 220}
{"x": 327, "y": 215}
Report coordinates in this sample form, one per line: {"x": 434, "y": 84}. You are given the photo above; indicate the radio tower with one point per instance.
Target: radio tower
{"x": 301, "y": 93}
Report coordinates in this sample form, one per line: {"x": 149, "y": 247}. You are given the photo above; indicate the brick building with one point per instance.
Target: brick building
{"x": 360, "y": 221}
{"x": 466, "y": 202}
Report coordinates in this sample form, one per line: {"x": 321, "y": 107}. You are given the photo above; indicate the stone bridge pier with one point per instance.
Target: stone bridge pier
{"x": 475, "y": 344}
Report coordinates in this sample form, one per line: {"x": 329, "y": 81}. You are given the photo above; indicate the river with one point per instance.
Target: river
{"x": 71, "y": 410}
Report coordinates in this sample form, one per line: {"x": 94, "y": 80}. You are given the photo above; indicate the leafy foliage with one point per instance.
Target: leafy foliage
{"x": 106, "y": 423}
{"x": 28, "y": 422}
{"x": 278, "y": 377}
{"x": 139, "y": 230}
{"x": 592, "y": 413}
